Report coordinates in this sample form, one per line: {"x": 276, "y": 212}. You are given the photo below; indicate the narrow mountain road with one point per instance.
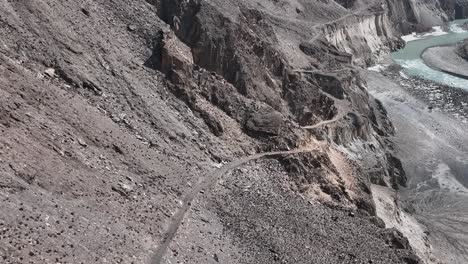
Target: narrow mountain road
{"x": 210, "y": 180}
{"x": 206, "y": 183}
{"x": 214, "y": 176}
{"x": 323, "y": 123}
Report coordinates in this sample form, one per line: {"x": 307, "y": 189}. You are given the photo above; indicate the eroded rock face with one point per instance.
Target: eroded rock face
{"x": 255, "y": 82}
{"x": 266, "y": 76}
{"x": 172, "y": 56}
{"x": 364, "y": 36}
{"x": 264, "y": 121}
{"x": 461, "y": 9}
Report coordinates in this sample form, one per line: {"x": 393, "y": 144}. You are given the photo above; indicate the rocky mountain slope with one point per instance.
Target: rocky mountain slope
{"x": 194, "y": 131}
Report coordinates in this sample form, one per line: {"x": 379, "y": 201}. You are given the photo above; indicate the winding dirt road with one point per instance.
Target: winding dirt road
{"x": 338, "y": 117}
{"x": 214, "y": 176}
{"x": 206, "y": 183}
{"x": 210, "y": 180}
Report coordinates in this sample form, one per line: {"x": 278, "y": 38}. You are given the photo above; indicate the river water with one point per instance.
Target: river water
{"x": 432, "y": 144}
{"x": 410, "y": 56}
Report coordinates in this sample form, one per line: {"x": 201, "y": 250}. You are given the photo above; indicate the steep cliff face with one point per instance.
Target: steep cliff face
{"x": 288, "y": 95}
{"x": 366, "y": 36}
{"x": 372, "y": 29}
{"x": 461, "y": 9}
{"x": 413, "y": 15}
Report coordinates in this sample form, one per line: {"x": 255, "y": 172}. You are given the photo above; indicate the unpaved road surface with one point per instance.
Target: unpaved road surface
{"x": 204, "y": 185}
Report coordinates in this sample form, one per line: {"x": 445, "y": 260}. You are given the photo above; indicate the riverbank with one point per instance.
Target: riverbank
{"x": 447, "y": 60}
{"x": 410, "y": 57}
{"x": 438, "y": 97}
{"x": 430, "y": 120}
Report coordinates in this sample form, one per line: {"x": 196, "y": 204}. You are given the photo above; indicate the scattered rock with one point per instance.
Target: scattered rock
{"x": 122, "y": 189}
{"x": 82, "y": 142}
{"x": 204, "y": 220}
{"x": 85, "y": 11}
{"x": 50, "y": 72}
{"x": 412, "y": 259}
{"x": 395, "y": 239}
{"x": 378, "y": 222}
{"x": 131, "y": 27}
{"x": 264, "y": 122}
{"x": 213, "y": 123}
{"x": 88, "y": 84}
{"x": 117, "y": 149}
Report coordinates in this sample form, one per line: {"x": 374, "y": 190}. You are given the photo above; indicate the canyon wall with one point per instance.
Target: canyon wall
{"x": 366, "y": 36}
{"x": 461, "y": 9}
{"x": 373, "y": 31}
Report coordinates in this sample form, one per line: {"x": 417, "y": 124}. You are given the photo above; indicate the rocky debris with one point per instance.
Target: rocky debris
{"x": 308, "y": 167}
{"x": 131, "y": 27}
{"x": 82, "y": 142}
{"x": 396, "y": 169}
{"x": 447, "y": 114}
{"x": 439, "y": 97}
{"x": 171, "y": 56}
{"x": 326, "y": 55}
{"x": 147, "y": 95}
{"x": 395, "y": 239}
{"x": 264, "y": 122}
{"x": 265, "y": 222}
{"x": 85, "y": 11}
{"x": 330, "y": 84}
{"x": 50, "y": 72}
{"x": 378, "y": 222}
{"x": 215, "y": 125}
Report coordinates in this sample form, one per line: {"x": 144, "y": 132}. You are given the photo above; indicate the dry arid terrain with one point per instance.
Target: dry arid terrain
{"x": 185, "y": 131}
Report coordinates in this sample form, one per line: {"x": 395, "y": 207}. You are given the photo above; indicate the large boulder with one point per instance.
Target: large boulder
{"x": 171, "y": 56}
{"x": 264, "y": 122}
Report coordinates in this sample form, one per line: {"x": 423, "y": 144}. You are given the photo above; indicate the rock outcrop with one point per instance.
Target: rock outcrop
{"x": 461, "y": 9}
{"x": 366, "y": 36}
